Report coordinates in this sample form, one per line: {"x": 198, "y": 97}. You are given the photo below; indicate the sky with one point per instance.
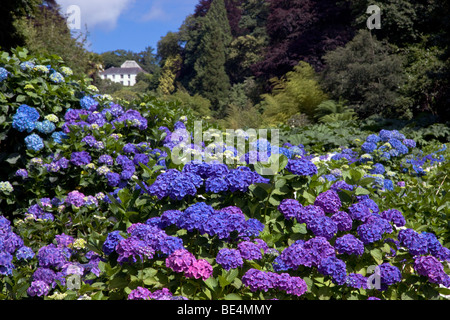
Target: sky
{"x": 125, "y": 24}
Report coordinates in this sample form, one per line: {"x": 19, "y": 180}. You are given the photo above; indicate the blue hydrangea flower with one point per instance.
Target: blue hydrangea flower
{"x": 56, "y": 77}
{"x": 24, "y": 253}
{"x": 27, "y": 65}
{"x": 6, "y": 265}
{"x": 88, "y": 103}
{"x": 378, "y": 168}
{"x": 373, "y": 138}
{"x": 323, "y": 226}
{"x": 45, "y": 126}
{"x": 334, "y": 267}
{"x": 59, "y": 136}
{"x": 368, "y": 147}
{"x": 3, "y": 74}
{"x": 301, "y": 167}
{"x": 34, "y": 142}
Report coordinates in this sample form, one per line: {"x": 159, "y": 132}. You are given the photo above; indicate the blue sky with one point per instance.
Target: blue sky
{"x": 128, "y": 24}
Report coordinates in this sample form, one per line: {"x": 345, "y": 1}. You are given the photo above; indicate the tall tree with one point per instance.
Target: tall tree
{"x": 12, "y": 10}
{"x": 247, "y": 49}
{"x": 303, "y": 30}
{"x": 211, "y": 79}
{"x": 168, "y": 46}
{"x": 233, "y": 9}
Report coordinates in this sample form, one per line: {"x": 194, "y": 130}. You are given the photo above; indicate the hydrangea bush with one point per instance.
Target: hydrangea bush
{"x": 98, "y": 207}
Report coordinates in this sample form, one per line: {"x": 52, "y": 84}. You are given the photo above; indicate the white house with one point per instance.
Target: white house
{"x": 125, "y": 75}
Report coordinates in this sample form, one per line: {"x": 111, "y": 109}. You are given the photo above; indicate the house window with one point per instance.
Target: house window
{"x": 121, "y": 76}
{"x": 129, "y": 76}
{"x": 128, "y": 82}
{"x": 121, "y": 82}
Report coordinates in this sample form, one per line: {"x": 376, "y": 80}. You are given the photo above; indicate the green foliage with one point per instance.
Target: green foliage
{"x": 332, "y": 111}
{"x": 211, "y": 79}
{"x": 46, "y": 33}
{"x": 367, "y": 74}
{"x": 298, "y": 91}
{"x": 200, "y": 106}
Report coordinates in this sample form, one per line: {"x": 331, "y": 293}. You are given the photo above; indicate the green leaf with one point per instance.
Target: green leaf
{"x": 232, "y": 274}
{"x": 223, "y": 281}
{"x": 377, "y": 255}
{"x": 233, "y": 296}
{"x": 212, "y": 283}
{"x": 361, "y": 191}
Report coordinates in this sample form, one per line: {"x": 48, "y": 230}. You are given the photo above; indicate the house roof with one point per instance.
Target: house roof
{"x": 128, "y": 67}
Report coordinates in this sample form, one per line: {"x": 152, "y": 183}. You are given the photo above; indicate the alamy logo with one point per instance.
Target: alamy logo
{"x": 374, "y": 281}
{"x": 233, "y": 146}
{"x": 74, "y": 17}
{"x": 73, "y": 281}
{"x": 374, "y": 21}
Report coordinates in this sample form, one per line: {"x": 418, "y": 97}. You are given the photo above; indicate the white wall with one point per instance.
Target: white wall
{"x": 127, "y": 80}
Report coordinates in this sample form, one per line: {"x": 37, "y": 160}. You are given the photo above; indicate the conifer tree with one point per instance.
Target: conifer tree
{"x": 211, "y": 79}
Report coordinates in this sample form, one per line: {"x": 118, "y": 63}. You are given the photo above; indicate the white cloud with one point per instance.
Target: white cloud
{"x": 156, "y": 12}
{"x": 98, "y": 13}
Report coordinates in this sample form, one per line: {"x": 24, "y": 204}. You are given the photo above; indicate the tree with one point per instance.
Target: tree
{"x": 298, "y": 92}
{"x": 210, "y": 79}
{"x": 367, "y": 74}
{"x": 303, "y": 30}
{"x": 233, "y": 10}
{"x": 168, "y": 74}
{"x": 168, "y": 46}
{"x": 47, "y": 33}
{"x": 11, "y": 11}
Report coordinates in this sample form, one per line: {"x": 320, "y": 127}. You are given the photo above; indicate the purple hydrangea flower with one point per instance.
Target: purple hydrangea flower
{"x": 334, "y": 267}
{"x": 306, "y": 214}
{"x": 75, "y": 198}
{"x": 199, "y": 269}
{"x": 140, "y": 293}
{"x": 289, "y": 208}
{"x": 395, "y": 216}
{"x": 51, "y": 256}
{"x": 80, "y": 158}
{"x": 356, "y": 280}
{"x": 249, "y": 250}
{"x": 416, "y": 244}
{"x": 343, "y": 221}
{"x": 111, "y": 242}
{"x": 180, "y": 260}
{"x": 329, "y": 201}
{"x": 257, "y": 280}
{"x": 132, "y": 248}
{"x": 38, "y": 288}
{"x": 389, "y": 275}
{"x": 430, "y": 267}
{"x": 349, "y": 244}
{"x": 229, "y": 258}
